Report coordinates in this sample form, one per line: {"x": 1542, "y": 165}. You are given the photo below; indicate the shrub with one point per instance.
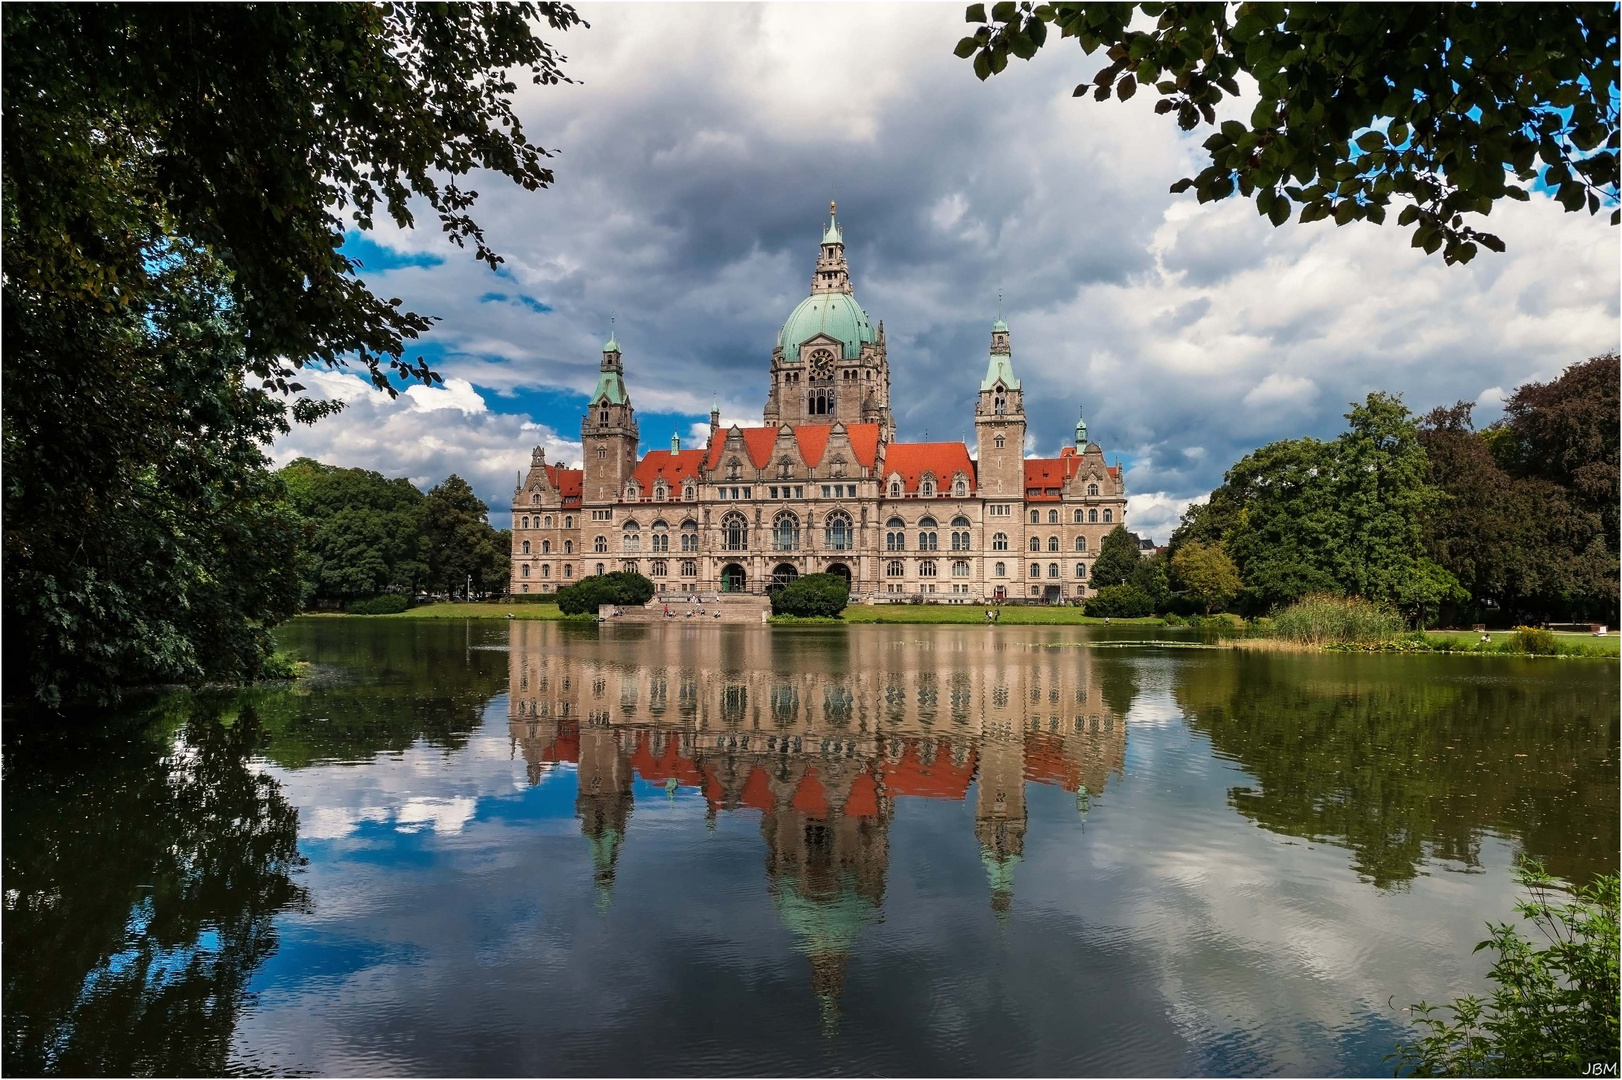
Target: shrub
{"x": 531, "y": 598}
{"x": 1553, "y": 1010}
{"x": 1325, "y": 619}
{"x": 1529, "y": 639}
{"x": 1120, "y": 602}
{"x": 823, "y": 595}
{"x": 621, "y": 588}
{"x": 387, "y": 604}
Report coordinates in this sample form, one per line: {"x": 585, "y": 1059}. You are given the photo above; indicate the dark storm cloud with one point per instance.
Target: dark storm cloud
{"x": 695, "y": 160}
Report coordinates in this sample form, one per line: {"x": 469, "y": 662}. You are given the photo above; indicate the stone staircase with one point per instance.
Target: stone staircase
{"x": 735, "y": 608}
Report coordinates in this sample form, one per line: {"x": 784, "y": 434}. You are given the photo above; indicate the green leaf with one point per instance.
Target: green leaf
{"x": 965, "y": 48}
{"x": 982, "y": 65}
{"x": 1126, "y": 87}
{"x": 1004, "y": 10}
{"x": 1371, "y": 141}
{"x": 975, "y": 13}
{"x": 1279, "y": 212}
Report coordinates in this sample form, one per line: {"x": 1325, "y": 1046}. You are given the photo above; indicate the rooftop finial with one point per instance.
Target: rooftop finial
{"x": 613, "y": 344}
{"x": 999, "y": 303}
{"x": 833, "y": 208}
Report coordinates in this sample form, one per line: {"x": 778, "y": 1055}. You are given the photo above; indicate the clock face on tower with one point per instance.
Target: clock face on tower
{"x": 822, "y": 364}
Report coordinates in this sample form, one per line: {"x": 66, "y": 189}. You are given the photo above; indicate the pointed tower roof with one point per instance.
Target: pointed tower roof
{"x": 1000, "y": 366}
{"x": 611, "y": 374}
{"x": 832, "y": 234}
{"x": 1081, "y": 428}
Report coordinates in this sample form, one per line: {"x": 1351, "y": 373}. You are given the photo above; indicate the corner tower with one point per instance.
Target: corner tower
{"x": 829, "y": 364}
{"x": 999, "y": 423}
{"x": 608, "y": 433}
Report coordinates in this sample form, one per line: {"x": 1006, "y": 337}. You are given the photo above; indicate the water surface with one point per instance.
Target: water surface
{"x": 492, "y": 848}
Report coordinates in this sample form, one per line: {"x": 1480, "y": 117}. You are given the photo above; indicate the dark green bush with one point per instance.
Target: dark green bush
{"x": 387, "y": 604}
{"x": 822, "y": 595}
{"x": 621, "y": 588}
{"x": 531, "y": 598}
{"x": 1120, "y": 602}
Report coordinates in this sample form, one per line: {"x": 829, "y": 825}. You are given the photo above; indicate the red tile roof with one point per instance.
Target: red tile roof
{"x": 1045, "y": 477}
{"x": 1045, "y": 762}
{"x": 863, "y": 800}
{"x": 674, "y": 465}
{"x": 812, "y": 440}
{"x": 943, "y": 459}
{"x": 567, "y": 481}
{"x": 565, "y": 747}
{"x": 941, "y": 779}
{"x": 811, "y": 796}
{"x": 670, "y": 764}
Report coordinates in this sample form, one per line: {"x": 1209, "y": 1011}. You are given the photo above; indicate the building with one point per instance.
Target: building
{"x": 822, "y": 485}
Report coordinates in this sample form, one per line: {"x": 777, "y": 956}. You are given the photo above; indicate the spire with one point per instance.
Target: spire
{"x": 833, "y": 273}
{"x": 832, "y": 234}
{"x": 612, "y": 346}
{"x": 1081, "y": 429}
{"x": 675, "y": 442}
{"x": 1001, "y": 363}
{"x": 1000, "y": 326}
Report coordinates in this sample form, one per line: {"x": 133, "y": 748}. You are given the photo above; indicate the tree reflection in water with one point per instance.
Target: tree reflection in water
{"x": 144, "y": 869}
{"x": 1402, "y": 759}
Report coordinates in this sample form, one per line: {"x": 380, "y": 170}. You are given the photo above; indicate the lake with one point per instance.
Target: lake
{"x": 531, "y": 848}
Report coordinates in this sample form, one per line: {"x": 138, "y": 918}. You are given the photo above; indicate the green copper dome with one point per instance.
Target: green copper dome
{"x": 836, "y": 314}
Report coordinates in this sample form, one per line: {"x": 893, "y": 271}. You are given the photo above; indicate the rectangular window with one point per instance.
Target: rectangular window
{"x": 827, "y": 491}
{"x": 774, "y": 493}
{"x": 748, "y": 493}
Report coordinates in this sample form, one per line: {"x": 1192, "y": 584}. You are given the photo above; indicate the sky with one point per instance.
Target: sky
{"x": 696, "y": 154}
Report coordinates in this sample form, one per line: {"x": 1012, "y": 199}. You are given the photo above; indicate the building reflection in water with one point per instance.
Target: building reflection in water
{"x": 821, "y": 740}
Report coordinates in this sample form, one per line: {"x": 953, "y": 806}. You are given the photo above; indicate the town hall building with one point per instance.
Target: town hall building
{"x": 822, "y": 486}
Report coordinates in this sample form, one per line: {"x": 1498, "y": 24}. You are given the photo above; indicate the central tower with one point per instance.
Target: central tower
{"x": 829, "y": 364}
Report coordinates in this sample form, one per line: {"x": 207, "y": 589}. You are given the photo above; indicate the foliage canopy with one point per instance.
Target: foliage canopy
{"x": 1445, "y": 108}
{"x": 812, "y": 595}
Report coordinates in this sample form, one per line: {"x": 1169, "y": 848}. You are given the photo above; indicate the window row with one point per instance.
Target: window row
{"x": 1077, "y": 516}
{"x": 546, "y": 570}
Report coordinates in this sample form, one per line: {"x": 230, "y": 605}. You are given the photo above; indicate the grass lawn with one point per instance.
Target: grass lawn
{"x": 1610, "y": 643}
{"x": 973, "y": 613}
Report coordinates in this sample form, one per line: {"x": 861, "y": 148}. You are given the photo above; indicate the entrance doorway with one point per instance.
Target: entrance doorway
{"x": 782, "y": 574}
{"x": 732, "y": 578}
{"x": 840, "y": 570}
{"x": 1051, "y": 594}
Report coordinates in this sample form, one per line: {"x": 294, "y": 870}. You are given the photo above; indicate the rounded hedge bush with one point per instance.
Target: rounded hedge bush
{"x": 1120, "y": 602}
{"x": 813, "y": 595}
{"x": 387, "y": 604}
{"x": 621, "y": 588}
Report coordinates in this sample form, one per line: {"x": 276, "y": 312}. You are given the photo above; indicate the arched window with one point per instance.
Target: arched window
{"x": 546, "y": 569}
{"x": 928, "y": 489}
{"x": 660, "y": 491}
{"x": 526, "y": 522}
{"x": 1036, "y": 543}
{"x": 599, "y": 544}
{"x": 658, "y": 568}
{"x": 1092, "y": 515}
{"x": 526, "y": 547}
{"x": 926, "y": 568}
{"x": 734, "y": 532}
{"x": 633, "y": 537}
{"x": 568, "y": 570}
{"x": 1053, "y": 517}
{"x": 1081, "y": 543}
{"x": 546, "y": 547}
{"x": 1000, "y": 570}
{"x": 926, "y": 535}
{"x": 960, "y": 539}
{"x": 1081, "y": 571}
{"x": 568, "y": 521}
{"x": 895, "y": 489}
{"x": 568, "y": 547}
{"x": 689, "y": 535}
{"x": 999, "y": 442}
{"x": 894, "y": 538}
{"x": 661, "y": 537}
{"x": 892, "y": 568}
{"x": 1053, "y": 569}
{"x": 838, "y": 534}
{"x": 689, "y": 492}
{"x": 1053, "y": 543}
{"x": 1108, "y": 516}
{"x": 524, "y": 570}
{"x": 1036, "y": 570}
{"x": 960, "y": 568}
{"x": 1079, "y": 515}
{"x": 535, "y": 499}
{"x": 786, "y": 531}
{"x": 599, "y": 569}
{"x": 999, "y": 541}
{"x": 1001, "y": 405}
{"x": 602, "y": 416}
{"x": 1036, "y": 517}
{"x": 602, "y": 452}
{"x": 549, "y": 521}
{"x": 1092, "y": 490}
{"x": 960, "y": 487}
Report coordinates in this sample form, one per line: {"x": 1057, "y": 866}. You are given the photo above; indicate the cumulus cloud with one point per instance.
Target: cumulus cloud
{"x": 695, "y": 158}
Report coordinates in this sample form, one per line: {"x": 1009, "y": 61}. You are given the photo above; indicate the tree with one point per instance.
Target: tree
{"x": 621, "y": 588}
{"x": 1152, "y": 576}
{"x": 1120, "y": 602}
{"x": 1208, "y": 575}
{"x": 176, "y": 187}
{"x": 462, "y": 547}
{"x": 365, "y": 531}
{"x": 1448, "y": 109}
{"x": 812, "y": 596}
{"x": 1118, "y": 559}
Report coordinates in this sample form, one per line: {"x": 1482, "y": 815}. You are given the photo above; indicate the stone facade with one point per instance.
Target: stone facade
{"x": 823, "y": 485}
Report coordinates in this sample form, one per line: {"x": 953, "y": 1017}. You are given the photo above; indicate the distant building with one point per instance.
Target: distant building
{"x": 823, "y": 485}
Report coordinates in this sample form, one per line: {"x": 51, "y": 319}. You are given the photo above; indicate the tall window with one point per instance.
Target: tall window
{"x": 895, "y": 489}
{"x": 1081, "y": 571}
{"x": 1036, "y": 543}
{"x": 568, "y": 521}
{"x": 661, "y": 536}
{"x": 525, "y": 570}
{"x": 549, "y": 521}
{"x": 1053, "y": 517}
{"x": 633, "y": 537}
{"x": 960, "y": 487}
{"x": 999, "y": 541}
{"x": 960, "y": 568}
{"x": 526, "y": 547}
{"x": 568, "y": 570}
{"x": 599, "y": 544}
{"x": 689, "y": 536}
{"x": 1108, "y": 516}
{"x": 892, "y": 568}
{"x": 1092, "y": 515}
{"x": 658, "y": 568}
{"x": 734, "y": 532}
{"x": 1078, "y": 517}
{"x": 926, "y": 535}
{"x": 1081, "y": 543}
{"x": 689, "y": 568}
{"x": 926, "y": 568}
{"x": 1036, "y": 570}
{"x": 1092, "y": 489}
{"x": 1036, "y": 517}
{"x": 1000, "y": 570}
{"x": 546, "y": 547}
{"x": 838, "y": 535}
{"x": 1053, "y": 543}
{"x": 526, "y": 522}
{"x": 928, "y": 487}
{"x": 894, "y": 538}
{"x": 568, "y": 547}
{"x": 1053, "y": 569}
{"x": 786, "y": 532}
{"x": 546, "y": 569}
